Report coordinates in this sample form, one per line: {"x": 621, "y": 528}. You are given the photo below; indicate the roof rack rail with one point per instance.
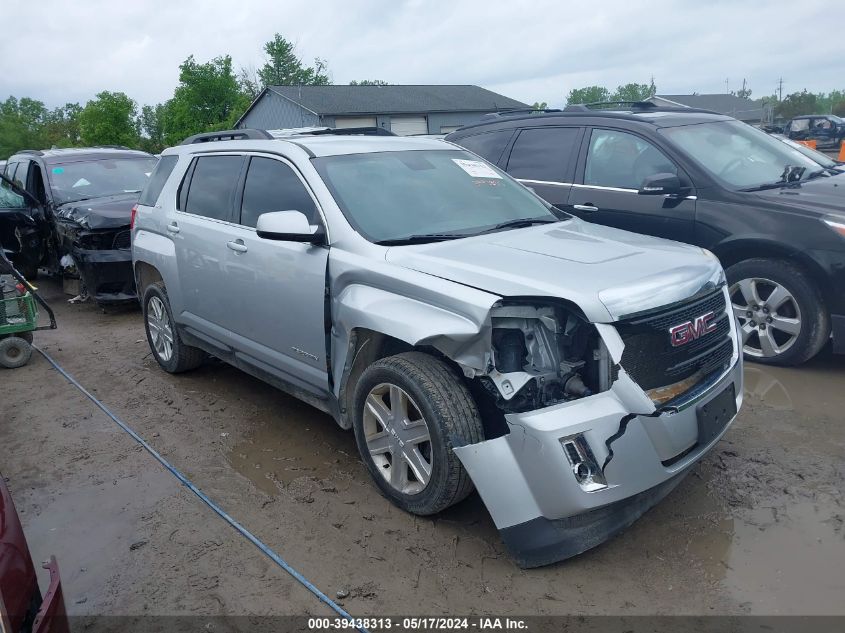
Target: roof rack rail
{"x": 513, "y": 111}
{"x": 606, "y": 105}
{"x": 353, "y": 131}
{"x": 227, "y": 135}
{"x": 37, "y": 152}
{"x": 112, "y": 147}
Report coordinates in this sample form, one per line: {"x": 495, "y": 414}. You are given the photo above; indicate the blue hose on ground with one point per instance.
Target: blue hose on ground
{"x": 199, "y": 493}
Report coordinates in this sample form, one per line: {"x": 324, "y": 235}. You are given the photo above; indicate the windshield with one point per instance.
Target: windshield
{"x": 738, "y": 155}
{"x": 81, "y": 180}
{"x": 391, "y": 196}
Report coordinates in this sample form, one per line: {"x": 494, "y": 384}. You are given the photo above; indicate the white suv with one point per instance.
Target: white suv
{"x": 467, "y": 331}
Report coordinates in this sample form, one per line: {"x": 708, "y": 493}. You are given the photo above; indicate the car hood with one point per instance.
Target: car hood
{"x": 607, "y": 272}
{"x": 819, "y": 196}
{"x": 107, "y": 212}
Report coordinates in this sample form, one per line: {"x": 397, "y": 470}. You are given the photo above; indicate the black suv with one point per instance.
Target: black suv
{"x": 74, "y": 205}
{"x": 774, "y": 217}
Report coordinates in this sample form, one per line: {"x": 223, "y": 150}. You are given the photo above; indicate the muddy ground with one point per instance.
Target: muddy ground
{"x": 757, "y": 528}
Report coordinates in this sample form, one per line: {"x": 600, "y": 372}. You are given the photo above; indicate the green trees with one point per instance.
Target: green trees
{"x": 590, "y": 94}
{"x": 598, "y": 94}
{"x": 207, "y": 98}
{"x": 210, "y": 96}
{"x": 109, "y": 119}
{"x": 368, "y": 82}
{"x": 283, "y": 68}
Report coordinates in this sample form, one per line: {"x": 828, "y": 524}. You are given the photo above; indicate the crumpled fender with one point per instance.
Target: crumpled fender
{"x": 457, "y": 335}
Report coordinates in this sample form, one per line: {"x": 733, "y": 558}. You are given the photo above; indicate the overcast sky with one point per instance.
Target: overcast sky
{"x": 532, "y": 51}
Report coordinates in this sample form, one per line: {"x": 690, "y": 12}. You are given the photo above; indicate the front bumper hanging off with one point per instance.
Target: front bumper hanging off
{"x": 544, "y": 513}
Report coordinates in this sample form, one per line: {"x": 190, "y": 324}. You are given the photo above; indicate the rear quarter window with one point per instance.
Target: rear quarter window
{"x": 158, "y": 178}
{"x": 488, "y": 145}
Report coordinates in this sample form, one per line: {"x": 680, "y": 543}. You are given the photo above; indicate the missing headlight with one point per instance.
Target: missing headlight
{"x": 543, "y": 354}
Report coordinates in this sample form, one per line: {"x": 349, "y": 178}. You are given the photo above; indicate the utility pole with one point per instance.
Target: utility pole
{"x": 780, "y": 89}
{"x": 743, "y": 87}
{"x": 726, "y": 85}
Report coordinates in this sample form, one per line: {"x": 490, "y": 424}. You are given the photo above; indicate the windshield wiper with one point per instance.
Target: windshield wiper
{"x": 424, "y": 238}
{"x": 521, "y": 223}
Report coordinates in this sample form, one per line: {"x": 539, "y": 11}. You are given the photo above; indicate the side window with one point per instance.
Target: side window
{"x": 619, "y": 159}
{"x": 212, "y": 187}
{"x": 161, "y": 172}
{"x": 271, "y": 185}
{"x": 489, "y": 145}
{"x": 799, "y": 125}
{"x": 21, "y": 173}
{"x": 9, "y": 198}
{"x": 543, "y": 153}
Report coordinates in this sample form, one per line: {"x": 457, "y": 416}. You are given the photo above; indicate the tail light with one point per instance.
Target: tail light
{"x": 132, "y": 217}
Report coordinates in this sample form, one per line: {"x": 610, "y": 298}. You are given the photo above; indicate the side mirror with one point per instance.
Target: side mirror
{"x": 288, "y": 226}
{"x": 660, "y": 185}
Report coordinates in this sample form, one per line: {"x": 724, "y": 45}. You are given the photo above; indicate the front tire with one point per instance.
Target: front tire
{"x": 167, "y": 347}
{"x": 410, "y": 411}
{"x": 782, "y": 316}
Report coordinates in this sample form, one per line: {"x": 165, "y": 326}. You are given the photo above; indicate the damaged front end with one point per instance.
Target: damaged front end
{"x": 95, "y": 235}
{"x": 598, "y": 422}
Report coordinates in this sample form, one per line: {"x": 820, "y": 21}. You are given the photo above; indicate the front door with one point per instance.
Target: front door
{"x": 611, "y": 172}
{"x": 279, "y": 287}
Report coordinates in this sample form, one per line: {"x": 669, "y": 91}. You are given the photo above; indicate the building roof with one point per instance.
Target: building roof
{"x": 333, "y": 100}
{"x": 729, "y": 104}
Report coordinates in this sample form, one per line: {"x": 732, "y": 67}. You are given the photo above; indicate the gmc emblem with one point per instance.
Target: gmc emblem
{"x": 692, "y": 330}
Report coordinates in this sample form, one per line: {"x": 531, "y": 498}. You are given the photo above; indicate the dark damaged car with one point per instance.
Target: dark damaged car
{"x": 76, "y": 211}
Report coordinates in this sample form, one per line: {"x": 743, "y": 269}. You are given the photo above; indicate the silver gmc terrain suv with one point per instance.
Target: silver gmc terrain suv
{"x": 469, "y": 333}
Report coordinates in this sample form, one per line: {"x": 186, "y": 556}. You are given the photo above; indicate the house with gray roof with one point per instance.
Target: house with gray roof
{"x": 404, "y": 110}
{"x": 753, "y": 112}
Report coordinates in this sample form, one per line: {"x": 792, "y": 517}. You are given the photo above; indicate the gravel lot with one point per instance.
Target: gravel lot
{"x": 756, "y": 528}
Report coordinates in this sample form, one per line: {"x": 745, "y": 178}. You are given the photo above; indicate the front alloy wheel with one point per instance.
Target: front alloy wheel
{"x": 769, "y": 316}
{"x": 782, "y": 315}
{"x": 398, "y": 438}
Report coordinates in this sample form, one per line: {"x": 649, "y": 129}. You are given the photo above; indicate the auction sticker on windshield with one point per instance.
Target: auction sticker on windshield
{"x": 476, "y": 168}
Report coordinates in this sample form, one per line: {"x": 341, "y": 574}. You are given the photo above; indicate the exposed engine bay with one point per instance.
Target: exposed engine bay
{"x": 542, "y": 355}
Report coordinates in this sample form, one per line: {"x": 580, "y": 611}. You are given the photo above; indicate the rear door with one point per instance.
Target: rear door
{"x": 543, "y": 158}
{"x": 277, "y": 289}
{"x": 200, "y": 228}
{"x": 611, "y": 170}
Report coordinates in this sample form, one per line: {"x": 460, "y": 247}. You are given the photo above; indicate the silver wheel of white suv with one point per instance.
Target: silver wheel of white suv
{"x": 398, "y": 438}
{"x": 160, "y": 329}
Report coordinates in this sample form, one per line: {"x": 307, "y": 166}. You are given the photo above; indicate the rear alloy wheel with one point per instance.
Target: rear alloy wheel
{"x": 781, "y": 316}
{"x": 409, "y": 411}
{"x": 171, "y": 353}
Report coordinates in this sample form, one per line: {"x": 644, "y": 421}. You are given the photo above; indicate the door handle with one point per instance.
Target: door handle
{"x": 238, "y": 246}
{"x": 173, "y": 227}
{"x": 585, "y": 207}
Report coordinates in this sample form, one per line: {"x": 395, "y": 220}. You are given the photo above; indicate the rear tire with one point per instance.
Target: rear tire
{"x": 410, "y": 410}
{"x": 14, "y": 352}
{"x": 783, "y": 318}
{"x": 163, "y": 336}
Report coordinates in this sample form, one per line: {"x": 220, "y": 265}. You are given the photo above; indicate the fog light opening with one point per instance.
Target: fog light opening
{"x": 583, "y": 463}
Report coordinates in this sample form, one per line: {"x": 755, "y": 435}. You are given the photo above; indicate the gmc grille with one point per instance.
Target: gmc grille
{"x": 652, "y": 361}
